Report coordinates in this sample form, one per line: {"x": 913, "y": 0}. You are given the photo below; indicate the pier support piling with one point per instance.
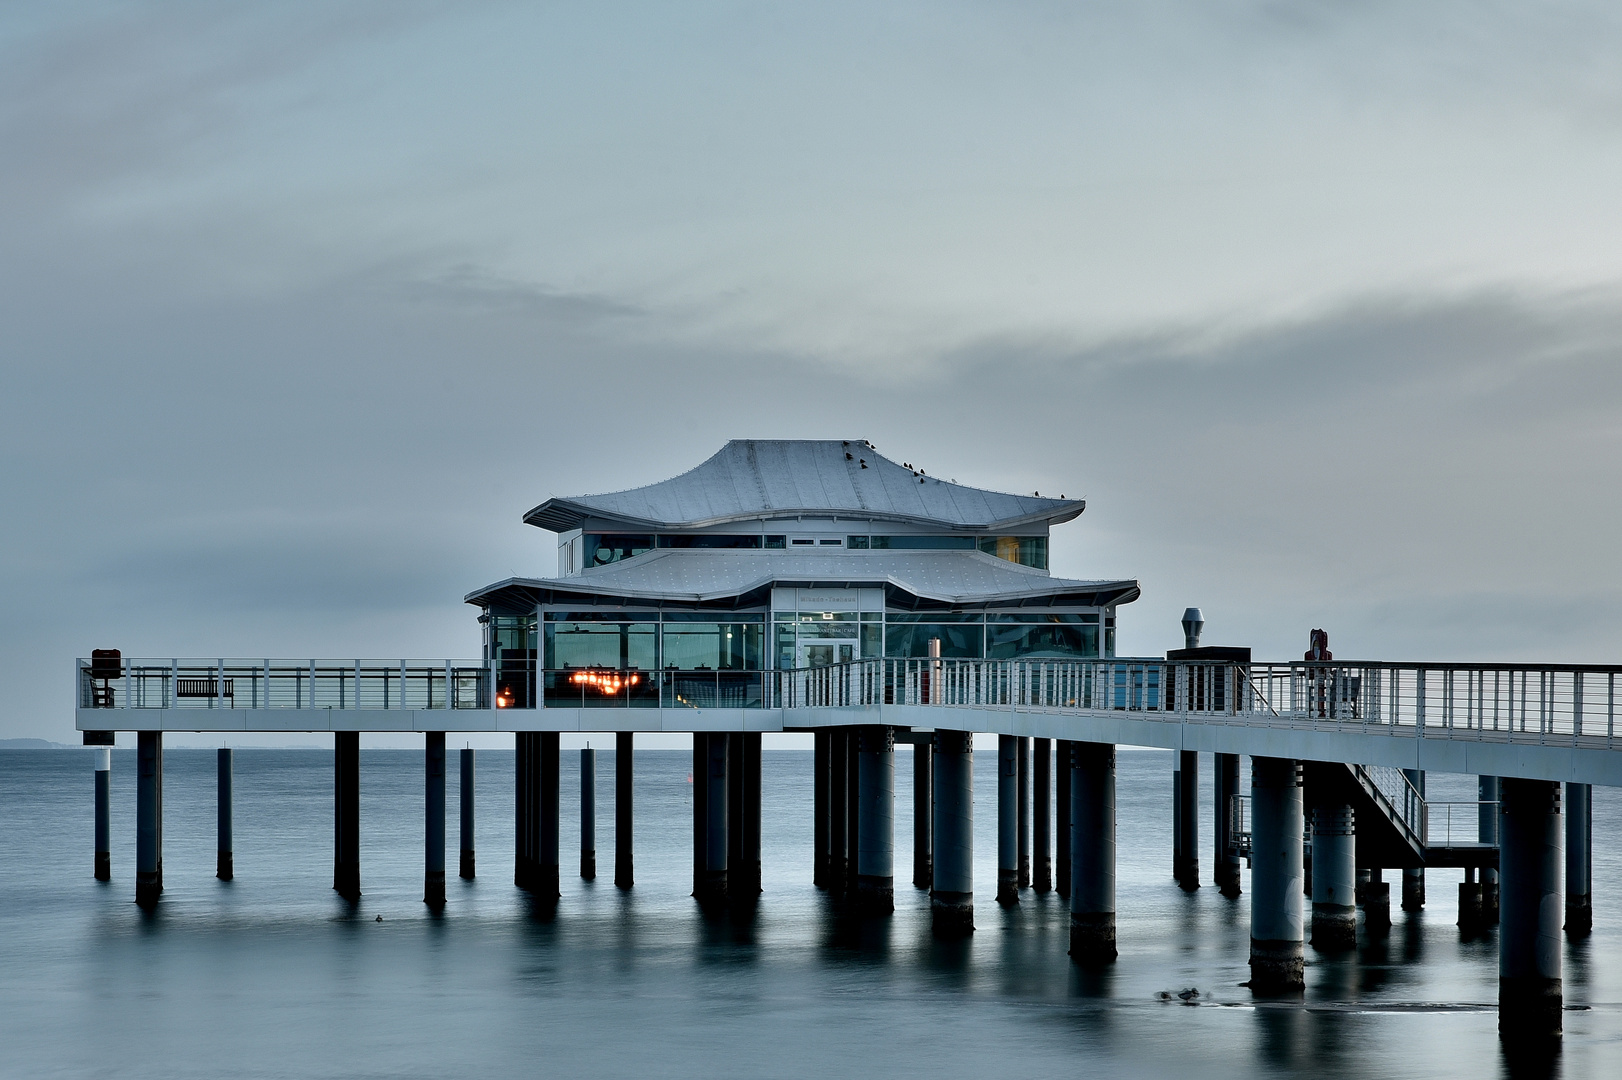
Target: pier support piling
{"x": 104, "y": 813}
{"x": 951, "y": 898}
{"x": 526, "y": 803}
{"x": 466, "y": 797}
{"x": 853, "y": 810}
{"x": 1188, "y": 819}
{"x": 588, "y": 814}
{"x": 546, "y": 871}
{"x": 1042, "y": 815}
{"x": 225, "y": 775}
{"x": 875, "y": 852}
{"x": 1413, "y": 877}
{"x": 1276, "y": 925}
{"x": 838, "y": 809}
{"x": 1225, "y": 777}
{"x": 1061, "y": 814}
{"x": 743, "y": 817}
{"x": 1334, "y": 878}
{"x": 1007, "y": 819}
{"x": 1023, "y": 817}
{"x": 1376, "y": 901}
{"x": 710, "y": 818}
{"x": 1471, "y": 919}
{"x": 819, "y": 807}
{"x": 433, "y": 869}
{"x": 148, "y": 818}
{"x": 1579, "y": 859}
{"x": 624, "y": 769}
{"x": 346, "y": 814}
{"x": 1092, "y": 852}
{"x": 1487, "y": 833}
{"x": 1530, "y": 994}
{"x": 923, "y": 814}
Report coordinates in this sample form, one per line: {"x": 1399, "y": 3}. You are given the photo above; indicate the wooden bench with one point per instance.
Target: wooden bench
{"x": 204, "y": 688}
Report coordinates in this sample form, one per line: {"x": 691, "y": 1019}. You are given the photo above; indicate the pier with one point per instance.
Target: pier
{"x": 894, "y": 608}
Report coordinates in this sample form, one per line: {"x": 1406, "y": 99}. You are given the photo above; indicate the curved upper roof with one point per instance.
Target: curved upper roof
{"x": 753, "y": 478}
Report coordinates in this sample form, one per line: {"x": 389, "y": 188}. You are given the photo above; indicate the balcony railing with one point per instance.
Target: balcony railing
{"x": 283, "y": 684}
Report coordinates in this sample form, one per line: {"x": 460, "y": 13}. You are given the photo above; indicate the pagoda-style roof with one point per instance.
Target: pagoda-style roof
{"x": 730, "y": 579}
{"x": 751, "y": 479}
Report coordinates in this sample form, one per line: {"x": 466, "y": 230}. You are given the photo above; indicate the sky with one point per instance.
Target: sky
{"x": 1319, "y": 306}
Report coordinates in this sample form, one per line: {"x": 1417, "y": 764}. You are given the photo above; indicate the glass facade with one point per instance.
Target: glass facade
{"x": 908, "y": 635}
{"x": 709, "y": 540}
{"x": 600, "y": 549}
{"x": 610, "y": 659}
{"x": 1024, "y": 550}
{"x": 512, "y": 653}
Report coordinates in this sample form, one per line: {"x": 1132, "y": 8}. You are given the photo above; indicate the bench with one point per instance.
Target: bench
{"x": 203, "y": 688}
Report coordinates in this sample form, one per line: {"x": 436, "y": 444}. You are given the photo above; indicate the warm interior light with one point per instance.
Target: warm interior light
{"x": 607, "y": 683}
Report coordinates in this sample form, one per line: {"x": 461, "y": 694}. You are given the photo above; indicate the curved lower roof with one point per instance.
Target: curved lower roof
{"x": 750, "y": 479}
{"x": 735, "y": 579}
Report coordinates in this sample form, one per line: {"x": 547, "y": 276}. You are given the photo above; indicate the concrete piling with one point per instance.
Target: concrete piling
{"x": 1042, "y": 815}
{"x": 466, "y": 793}
{"x": 751, "y": 868}
{"x": 1007, "y": 819}
{"x": 1413, "y": 877}
{"x": 1530, "y": 993}
{"x": 1061, "y": 815}
{"x": 346, "y": 814}
{"x": 1376, "y": 901}
{"x": 838, "y": 809}
{"x": 624, "y": 769}
{"x": 853, "y": 809}
{"x": 1023, "y": 817}
{"x": 148, "y": 818}
{"x": 923, "y": 814}
{"x": 1334, "y": 878}
{"x": 951, "y": 897}
{"x": 526, "y": 803}
{"x": 1487, "y": 833}
{"x": 819, "y": 807}
{"x": 433, "y": 869}
{"x": 743, "y": 817}
{"x": 225, "y": 775}
{"x": 1188, "y": 819}
{"x": 1176, "y": 817}
{"x": 875, "y": 852}
{"x": 588, "y": 814}
{"x": 710, "y": 818}
{"x": 1092, "y": 848}
{"x": 1579, "y": 859}
{"x": 546, "y": 873}
{"x": 1276, "y": 924}
{"x": 104, "y": 814}
{"x": 1471, "y": 919}
{"x": 1225, "y": 860}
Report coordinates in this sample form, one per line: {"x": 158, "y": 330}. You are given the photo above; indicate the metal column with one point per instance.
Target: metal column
{"x": 1061, "y": 814}
{"x": 1579, "y": 859}
{"x": 1007, "y": 819}
{"x": 588, "y": 814}
{"x": 1276, "y": 923}
{"x": 1042, "y": 815}
{"x": 875, "y": 851}
{"x": 1530, "y": 994}
{"x": 148, "y": 817}
{"x": 104, "y": 814}
{"x": 433, "y": 876}
{"x": 923, "y": 814}
{"x": 1334, "y": 878}
{"x": 1023, "y": 817}
{"x": 466, "y": 793}
{"x": 346, "y": 814}
{"x": 951, "y": 898}
{"x": 1188, "y": 819}
{"x": 1225, "y": 860}
{"x": 225, "y": 770}
{"x": 819, "y": 808}
{"x": 1413, "y": 877}
{"x": 624, "y": 765}
{"x": 1092, "y": 848}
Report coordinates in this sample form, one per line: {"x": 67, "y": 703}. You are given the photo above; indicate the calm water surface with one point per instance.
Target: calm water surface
{"x": 272, "y": 975}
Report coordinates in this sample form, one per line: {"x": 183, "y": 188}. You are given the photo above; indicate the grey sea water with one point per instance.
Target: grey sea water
{"x": 272, "y": 975}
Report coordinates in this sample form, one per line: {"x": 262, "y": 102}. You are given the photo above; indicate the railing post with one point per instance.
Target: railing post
{"x": 1419, "y": 703}
{"x": 1576, "y": 706}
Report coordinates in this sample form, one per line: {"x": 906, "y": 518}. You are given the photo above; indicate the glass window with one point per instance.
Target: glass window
{"x": 785, "y": 646}
{"x": 708, "y": 540}
{"x": 831, "y": 541}
{"x": 600, "y": 549}
{"x": 803, "y": 541}
{"x": 608, "y": 615}
{"x": 934, "y": 616}
{"x": 828, "y": 624}
{"x": 1024, "y": 550}
{"x": 872, "y": 639}
{"x": 912, "y": 639}
{"x": 699, "y": 646}
{"x": 621, "y": 646}
{"x": 1041, "y": 617}
{"x": 856, "y": 541}
{"x": 776, "y": 541}
{"x": 922, "y": 543}
{"x": 1010, "y": 641}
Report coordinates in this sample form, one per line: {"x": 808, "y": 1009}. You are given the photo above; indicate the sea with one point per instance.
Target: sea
{"x": 273, "y": 975}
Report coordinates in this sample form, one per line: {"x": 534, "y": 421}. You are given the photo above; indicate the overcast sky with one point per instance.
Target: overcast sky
{"x": 1318, "y": 305}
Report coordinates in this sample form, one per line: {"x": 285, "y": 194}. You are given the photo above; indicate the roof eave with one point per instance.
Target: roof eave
{"x": 562, "y": 515}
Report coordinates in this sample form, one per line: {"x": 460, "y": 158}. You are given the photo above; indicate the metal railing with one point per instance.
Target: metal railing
{"x": 1397, "y": 796}
{"x": 672, "y": 688}
{"x": 283, "y": 684}
{"x": 1459, "y": 817}
{"x": 1539, "y": 703}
